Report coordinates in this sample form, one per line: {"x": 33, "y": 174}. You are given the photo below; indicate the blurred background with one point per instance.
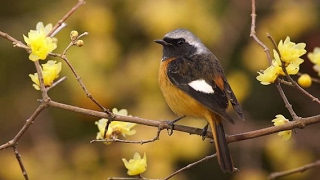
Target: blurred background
{"x": 119, "y": 65}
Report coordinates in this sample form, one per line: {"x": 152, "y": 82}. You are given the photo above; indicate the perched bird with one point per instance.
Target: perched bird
{"x": 193, "y": 84}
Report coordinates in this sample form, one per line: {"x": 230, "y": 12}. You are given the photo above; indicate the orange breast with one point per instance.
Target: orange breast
{"x": 179, "y": 102}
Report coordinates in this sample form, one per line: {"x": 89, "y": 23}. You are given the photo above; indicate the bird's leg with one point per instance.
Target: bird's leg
{"x": 204, "y": 131}
{"x": 171, "y": 124}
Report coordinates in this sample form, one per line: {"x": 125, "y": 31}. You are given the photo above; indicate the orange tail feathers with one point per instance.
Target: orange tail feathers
{"x": 223, "y": 154}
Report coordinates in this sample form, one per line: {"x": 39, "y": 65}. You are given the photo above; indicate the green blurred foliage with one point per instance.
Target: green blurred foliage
{"x": 119, "y": 65}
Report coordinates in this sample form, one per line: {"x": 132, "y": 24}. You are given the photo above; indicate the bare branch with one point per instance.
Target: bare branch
{"x": 18, "y": 157}
{"x": 293, "y": 171}
{"x": 15, "y": 42}
{"x": 66, "y": 16}
{"x": 253, "y": 30}
{"x": 191, "y": 165}
{"x": 28, "y": 123}
{"x": 297, "y": 123}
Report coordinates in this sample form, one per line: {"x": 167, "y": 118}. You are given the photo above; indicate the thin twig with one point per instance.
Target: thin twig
{"x": 130, "y": 178}
{"x": 286, "y": 101}
{"x": 78, "y": 78}
{"x": 57, "y": 82}
{"x": 18, "y": 157}
{"x": 43, "y": 89}
{"x": 28, "y": 123}
{"x": 83, "y": 86}
{"x": 190, "y": 165}
{"x": 14, "y": 41}
{"x": 293, "y": 171}
{"x": 66, "y": 16}
{"x": 63, "y": 25}
{"x": 253, "y": 30}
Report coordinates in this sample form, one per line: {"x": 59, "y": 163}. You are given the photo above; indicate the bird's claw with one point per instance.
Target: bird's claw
{"x": 204, "y": 131}
{"x": 171, "y": 124}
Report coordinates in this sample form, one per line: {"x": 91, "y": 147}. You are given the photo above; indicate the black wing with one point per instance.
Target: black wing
{"x": 182, "y": 71}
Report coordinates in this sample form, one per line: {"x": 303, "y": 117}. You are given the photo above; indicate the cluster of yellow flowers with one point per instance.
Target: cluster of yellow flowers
{"x": 289, "y": 57}
{"x": 41, "y": 45}
{"x": 290, "y": 54}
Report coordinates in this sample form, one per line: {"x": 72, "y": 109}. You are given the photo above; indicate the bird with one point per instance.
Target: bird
{"x": 193, "y": 84}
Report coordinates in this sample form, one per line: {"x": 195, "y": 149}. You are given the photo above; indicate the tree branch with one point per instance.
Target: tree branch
{"x": 298, "y": 123}
{"x": 296, "y": 170}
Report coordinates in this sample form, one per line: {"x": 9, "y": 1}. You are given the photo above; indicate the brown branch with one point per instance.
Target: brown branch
{"x": 56, "y": 83}
{"x": 296, "y": 170}
{"x": 28, "y": 123}
{"x": 18, "y": 157}
{"x": 43, "y": 89}
{"x": 253, "y": 30}
{"x": 14, "y": 41}
{"x": 298, "y": 123}
{"x": 66, "y": 16}
{"x": 190, "y": 165}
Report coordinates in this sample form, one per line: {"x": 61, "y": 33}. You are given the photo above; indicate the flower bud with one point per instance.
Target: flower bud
{"x": 74, "y": 34}
{"x": 305, "y": 80}
{"x": 79, "y": 43}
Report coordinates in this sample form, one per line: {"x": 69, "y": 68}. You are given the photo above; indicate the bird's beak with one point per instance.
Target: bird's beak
{"x": 162, "y": 42}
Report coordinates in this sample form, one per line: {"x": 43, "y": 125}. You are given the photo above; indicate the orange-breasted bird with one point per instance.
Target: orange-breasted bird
{"x": 193, "y": 84}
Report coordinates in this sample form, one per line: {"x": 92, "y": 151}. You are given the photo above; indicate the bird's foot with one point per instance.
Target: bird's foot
{"x": 171, "y": 124}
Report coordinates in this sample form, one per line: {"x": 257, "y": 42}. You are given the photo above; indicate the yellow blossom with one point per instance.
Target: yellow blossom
{"x": 50, "y": 72}
{"x": 269, "y": 75}
{"x": 305, "y": 80}
{"x": 292, "y": 66}
{"x": 137, "y": 165}
{"x": 39, "y": 43}
{"x": 290, "y": 51}
{"x": 280, "y": 120}
{"x": 115, "y": 128}
{"x": 315, "y": 59}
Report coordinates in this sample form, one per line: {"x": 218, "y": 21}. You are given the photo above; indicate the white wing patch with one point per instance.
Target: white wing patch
{"x": 202, "y": 86}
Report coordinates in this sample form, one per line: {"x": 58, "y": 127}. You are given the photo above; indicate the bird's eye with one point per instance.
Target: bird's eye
{"x": 180, "y": 42}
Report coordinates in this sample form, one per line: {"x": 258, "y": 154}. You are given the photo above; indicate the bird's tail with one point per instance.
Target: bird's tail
{"x": 223, "y": 154}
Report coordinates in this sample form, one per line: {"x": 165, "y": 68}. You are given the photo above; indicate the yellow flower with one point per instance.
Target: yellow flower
{"x": 115, "y": 128}
{"x": 315, "y": 59}
{"x": 305, "y": 80}
{"x": 269, "y": 75}
{"x": 290, "y": 51}
{"x": 50, "y": 72}
{"x": 39, "y": 43}
{"x": 292, "y": 67}
{"x": 137, "y": 165}
{"x": 280, "y": 120}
